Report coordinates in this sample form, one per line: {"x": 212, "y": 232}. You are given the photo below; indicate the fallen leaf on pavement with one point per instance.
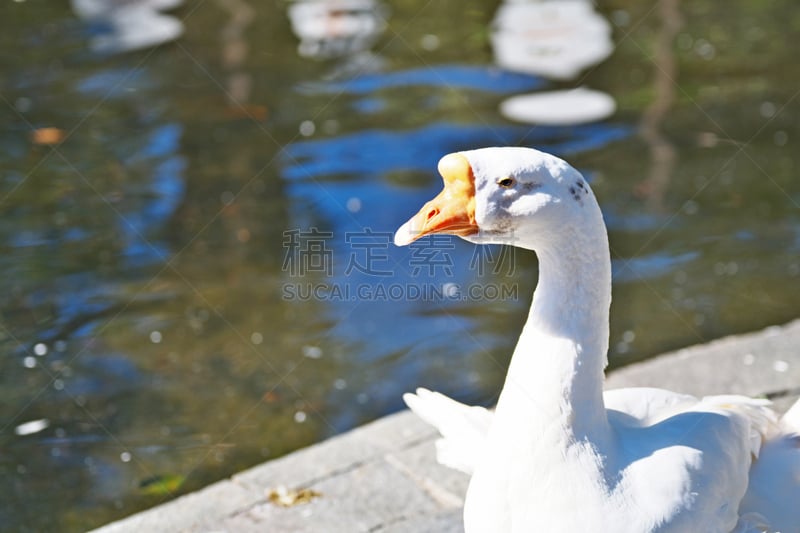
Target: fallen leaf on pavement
{"x": 285, "y": 497}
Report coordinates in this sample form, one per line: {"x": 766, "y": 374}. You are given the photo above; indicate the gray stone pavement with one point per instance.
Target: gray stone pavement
{"x": 382, "y": 477}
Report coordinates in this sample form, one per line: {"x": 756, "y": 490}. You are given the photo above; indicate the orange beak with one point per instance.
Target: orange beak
{"x": 452, "y": 212}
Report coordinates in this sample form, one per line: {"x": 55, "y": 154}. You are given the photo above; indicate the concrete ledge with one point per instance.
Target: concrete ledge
{"x": 382, "y": 477}
{"x": 766, "y": 363}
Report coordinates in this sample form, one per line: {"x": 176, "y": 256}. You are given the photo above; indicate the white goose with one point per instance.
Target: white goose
{"x": 559, "y": 455}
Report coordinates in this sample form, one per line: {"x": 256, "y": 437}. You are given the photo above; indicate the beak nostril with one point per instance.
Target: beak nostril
{"x": 432, "y": 213}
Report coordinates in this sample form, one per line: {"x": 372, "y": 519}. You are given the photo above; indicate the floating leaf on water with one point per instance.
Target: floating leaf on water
{"x": 249, "y": 111}
{"x": 271, "y": 396}
{"x": 159, "y": 485}
{"x": 285, "y": 497}
{"x": 47, "y": 136}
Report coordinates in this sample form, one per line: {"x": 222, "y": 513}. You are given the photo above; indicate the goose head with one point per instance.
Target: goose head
{"x": 510, "y": 195}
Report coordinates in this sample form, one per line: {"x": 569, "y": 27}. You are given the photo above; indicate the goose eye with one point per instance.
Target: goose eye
{"x": 506, "y": 182}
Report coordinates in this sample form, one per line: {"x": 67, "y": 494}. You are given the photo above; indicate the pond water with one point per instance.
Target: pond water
{"x": 196, "y": 265}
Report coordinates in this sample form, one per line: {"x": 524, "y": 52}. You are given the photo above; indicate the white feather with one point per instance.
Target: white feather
{"x": 463, "y": 427}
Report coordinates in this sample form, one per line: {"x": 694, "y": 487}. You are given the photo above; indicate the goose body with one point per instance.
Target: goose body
{"x": 559, "y": 454}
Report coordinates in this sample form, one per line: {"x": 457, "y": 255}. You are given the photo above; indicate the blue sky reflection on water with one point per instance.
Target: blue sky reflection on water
{"x": 328, "y": 175}
{"x": 487, "y": 79}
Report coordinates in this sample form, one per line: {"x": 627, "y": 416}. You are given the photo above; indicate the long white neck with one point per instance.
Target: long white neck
{"x": 555, "y": 381}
